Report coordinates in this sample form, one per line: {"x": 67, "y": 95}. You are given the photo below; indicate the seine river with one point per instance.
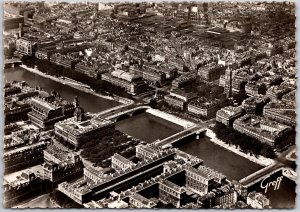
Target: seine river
{"x": 149, "y": 128}
{"x": 232, "y": 165}
{"x": 88, "y": 101}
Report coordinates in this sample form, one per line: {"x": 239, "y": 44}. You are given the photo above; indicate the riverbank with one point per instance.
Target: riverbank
{"x": 81, "y": 88}
{"x": 259, "y": 160}
{"x": 171, "y": 118}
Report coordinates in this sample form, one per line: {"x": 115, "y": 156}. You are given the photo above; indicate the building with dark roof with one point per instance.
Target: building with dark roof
{"x": 227, "y": 115}
{"x": 262, "y": 129}
{"x": 203, "y": 107}
{"x": 200, "y": 179}
{"x": 61, "y": 165}
{"x": 281, "y": 111}
{"x": 255, "y": 104}
{"x": 47, "y": 111}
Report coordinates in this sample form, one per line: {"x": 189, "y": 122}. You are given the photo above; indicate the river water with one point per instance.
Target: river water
{"x": 147, "y": 127}
{"x": 232, "y": 165}
{"x": 88, "y": 101}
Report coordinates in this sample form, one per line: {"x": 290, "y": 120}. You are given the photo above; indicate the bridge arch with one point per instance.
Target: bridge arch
{"x": 123, "y": 117}
{"x": 138, "y": 111}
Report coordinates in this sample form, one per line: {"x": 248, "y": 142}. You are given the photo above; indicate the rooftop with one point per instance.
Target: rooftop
{"x": 80, "y": 127}
{"x": 230, "y": 111}
{"x": 122, "y": 159}
{"x": 142, "y": 200}
{"x": 173, "y": 186}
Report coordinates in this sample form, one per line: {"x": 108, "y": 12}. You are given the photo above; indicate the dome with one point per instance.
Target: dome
{"x": 79, "y": 113}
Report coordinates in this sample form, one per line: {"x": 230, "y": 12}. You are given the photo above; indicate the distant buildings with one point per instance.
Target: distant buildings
{"x": 11, "y": 89}
{"x": 281, "y": 111}
{"x": 131, "y": 82}
{"x": 276, "y": 92}
{"x": 262, "y": 129}
{"x": 179, "y": 98}
{"x": 17, "y": 104}
{"x": 227, "y": 115}
{"x": 255, "y": 104}
{"x": 253, "y": 88}
{"x": 154, "y": 75}
{"x": 203, "y": 107}
{"x": 25, "y": 46}
{"x": 211, "y": 72}
{"x": 183, "y": 80}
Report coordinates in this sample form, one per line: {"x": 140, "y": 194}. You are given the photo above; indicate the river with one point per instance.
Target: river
{"x": 147, "y": 127}
{"x": 232, "y": 165}
{"x": 89, "y": 102}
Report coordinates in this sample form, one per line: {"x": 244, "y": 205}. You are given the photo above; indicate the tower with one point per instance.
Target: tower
{"x": 228, "y": 82}
{"x": 79, "y": 112}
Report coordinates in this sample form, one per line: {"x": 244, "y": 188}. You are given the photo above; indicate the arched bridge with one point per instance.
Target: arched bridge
{"x": 169, "y": 141}
{"x": 12, "y": 62}
{"x": 124, "y": 112}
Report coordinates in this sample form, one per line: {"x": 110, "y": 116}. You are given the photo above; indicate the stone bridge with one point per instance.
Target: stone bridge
{"x": 169, "y": 141}
{"x": 124, "y": 112}
{"x": 12, "y": 62}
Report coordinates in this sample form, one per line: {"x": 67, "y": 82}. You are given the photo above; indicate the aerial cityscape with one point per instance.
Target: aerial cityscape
{"x": 149, "y": 105}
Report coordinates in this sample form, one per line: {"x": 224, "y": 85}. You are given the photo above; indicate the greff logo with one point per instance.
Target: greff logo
{"x": 275, "y": 183}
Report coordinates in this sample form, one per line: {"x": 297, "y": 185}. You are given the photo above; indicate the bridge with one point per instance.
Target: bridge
{"x": 261, "y": 174}
{"x": 123, "y": 112}
{"x": 12, "y": 62}
{"x": 195, "y": 129}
